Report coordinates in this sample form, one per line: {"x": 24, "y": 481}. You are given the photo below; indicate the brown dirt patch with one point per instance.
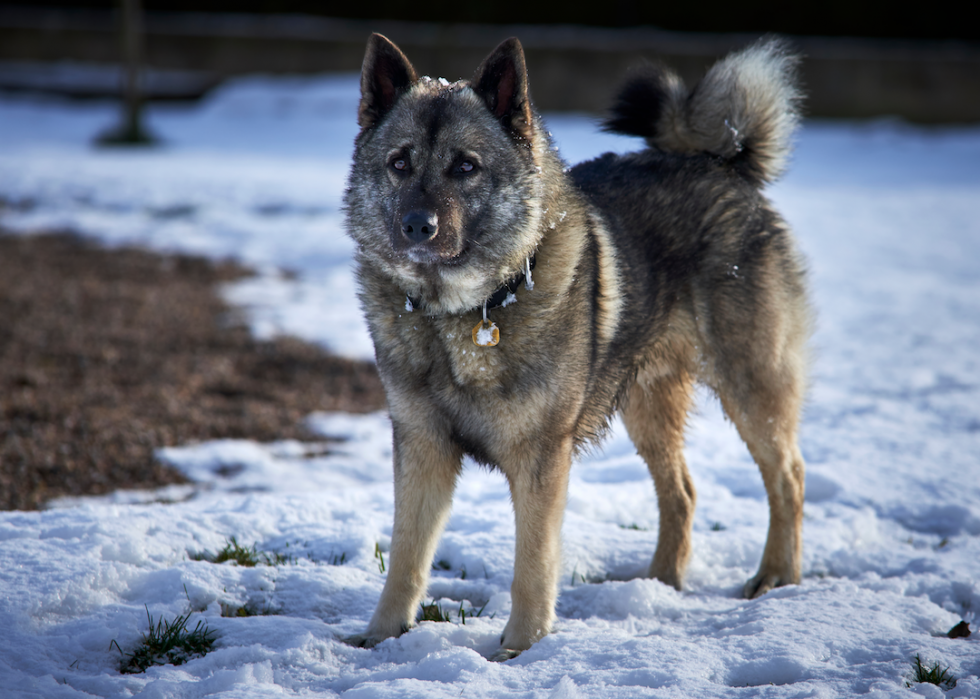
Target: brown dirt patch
{"x": 107, "y": 355}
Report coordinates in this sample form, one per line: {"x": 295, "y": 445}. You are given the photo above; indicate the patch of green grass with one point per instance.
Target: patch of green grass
{"x": 937, "y": 675}
{"x": 718, "y": 527}
{"x": 433, "y": 612}
{"x": 473, "y": 615}
{"x": 633, "y": 527}
{"x": 242, "y": 555}
{"x": 336, "y": 560}
{"x": 380, "y": 556}
{"x": 167, "y": 643}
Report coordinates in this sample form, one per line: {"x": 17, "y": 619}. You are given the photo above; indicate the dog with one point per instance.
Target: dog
{"x": 516, "y": 305}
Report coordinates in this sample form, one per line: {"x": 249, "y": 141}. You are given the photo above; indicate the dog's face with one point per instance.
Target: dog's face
{"x": 440, "y": 169}
{"x": 439, "y": 193}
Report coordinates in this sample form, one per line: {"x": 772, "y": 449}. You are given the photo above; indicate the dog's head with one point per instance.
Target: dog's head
{"x": 445, "y": 188}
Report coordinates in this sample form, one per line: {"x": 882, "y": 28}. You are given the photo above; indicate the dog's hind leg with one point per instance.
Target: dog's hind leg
{"x": 427, "y": 465}
{"x": 768, "y": 427}
{"x": 655, "y": 412}
{"x": 762, "y": 391}
{"x": 538, "y": 486}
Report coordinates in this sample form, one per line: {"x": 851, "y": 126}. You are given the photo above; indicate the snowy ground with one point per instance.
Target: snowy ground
{"x": 889, "y": 218}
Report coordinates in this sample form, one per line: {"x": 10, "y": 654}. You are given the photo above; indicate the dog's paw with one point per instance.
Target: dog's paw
{"x": 375, "y": 634}
{"x": 668, "y": 575}
{"x": 763, "y": 583}
{"x": 504, "y": 654}
{"x": 362, "y": 640}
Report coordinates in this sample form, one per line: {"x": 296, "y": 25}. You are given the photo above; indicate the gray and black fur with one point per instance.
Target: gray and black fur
{"x": 653, "y": 270}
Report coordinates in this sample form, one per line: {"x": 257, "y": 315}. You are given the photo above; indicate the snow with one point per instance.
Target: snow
{"x": 888, "y": 216}
{"x": 486, "y": 334}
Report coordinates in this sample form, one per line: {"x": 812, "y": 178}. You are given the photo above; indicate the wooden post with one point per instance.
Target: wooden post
{"x": 130, "y": 130}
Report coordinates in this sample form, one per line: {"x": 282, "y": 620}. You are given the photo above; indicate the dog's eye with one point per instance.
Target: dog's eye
{"x": 465, "y": 166}
{"x": 399, "y": 164}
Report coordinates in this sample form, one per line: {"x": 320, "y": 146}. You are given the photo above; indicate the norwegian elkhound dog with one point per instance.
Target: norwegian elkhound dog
{"x": 515, "y": 305}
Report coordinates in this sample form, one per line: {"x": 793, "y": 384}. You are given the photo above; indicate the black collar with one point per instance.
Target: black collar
{"x": 499, "y": 297}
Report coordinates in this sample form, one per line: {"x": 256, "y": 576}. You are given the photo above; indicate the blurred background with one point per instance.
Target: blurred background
{"x": 863, "y": 59}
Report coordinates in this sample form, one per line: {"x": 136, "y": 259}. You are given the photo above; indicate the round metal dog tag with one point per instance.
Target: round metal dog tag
{"x": 486, "y": 334}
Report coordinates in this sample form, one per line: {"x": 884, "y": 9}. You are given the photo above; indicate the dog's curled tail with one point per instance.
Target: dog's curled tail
{"x": 744, "y": 110}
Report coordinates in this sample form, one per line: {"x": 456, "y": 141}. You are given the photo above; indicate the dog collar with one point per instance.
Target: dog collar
{"x": 503, "y": 296}
{"x": 486, "y": 333}
{"x": 506, "y": 292}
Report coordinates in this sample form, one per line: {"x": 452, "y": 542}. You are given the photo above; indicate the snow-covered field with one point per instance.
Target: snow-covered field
{"x": 889, "y": 218}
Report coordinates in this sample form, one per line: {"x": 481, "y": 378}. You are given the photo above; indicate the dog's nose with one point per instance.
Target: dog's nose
{"x": 420, "y": 226}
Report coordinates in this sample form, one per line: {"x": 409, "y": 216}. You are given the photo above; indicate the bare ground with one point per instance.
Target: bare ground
{"x": 107, "y": 355}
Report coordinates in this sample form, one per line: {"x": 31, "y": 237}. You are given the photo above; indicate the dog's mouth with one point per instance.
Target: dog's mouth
{"x": 429, "y": 255}
{"x": 459, "y": 258}
{"x": 430, "y": 258}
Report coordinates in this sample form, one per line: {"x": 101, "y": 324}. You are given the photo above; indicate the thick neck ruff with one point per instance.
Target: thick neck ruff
{"x": 503, "y": 296}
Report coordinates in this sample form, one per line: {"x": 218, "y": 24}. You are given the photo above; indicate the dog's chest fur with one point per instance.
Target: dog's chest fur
{"x": 444, "y": 344}
{"x": 471, "y": 364}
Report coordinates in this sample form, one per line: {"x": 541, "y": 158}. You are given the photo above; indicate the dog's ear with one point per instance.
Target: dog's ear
{"x": 385, "y": 75}
{"x": 501, "y": 80}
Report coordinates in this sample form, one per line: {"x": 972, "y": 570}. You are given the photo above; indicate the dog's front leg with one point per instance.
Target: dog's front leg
{"x": 538, "y": 489}
{"x": 427, "y": 465}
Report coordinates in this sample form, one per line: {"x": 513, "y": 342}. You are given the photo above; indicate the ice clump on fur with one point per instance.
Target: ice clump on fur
{"x": 745, "y": 109}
